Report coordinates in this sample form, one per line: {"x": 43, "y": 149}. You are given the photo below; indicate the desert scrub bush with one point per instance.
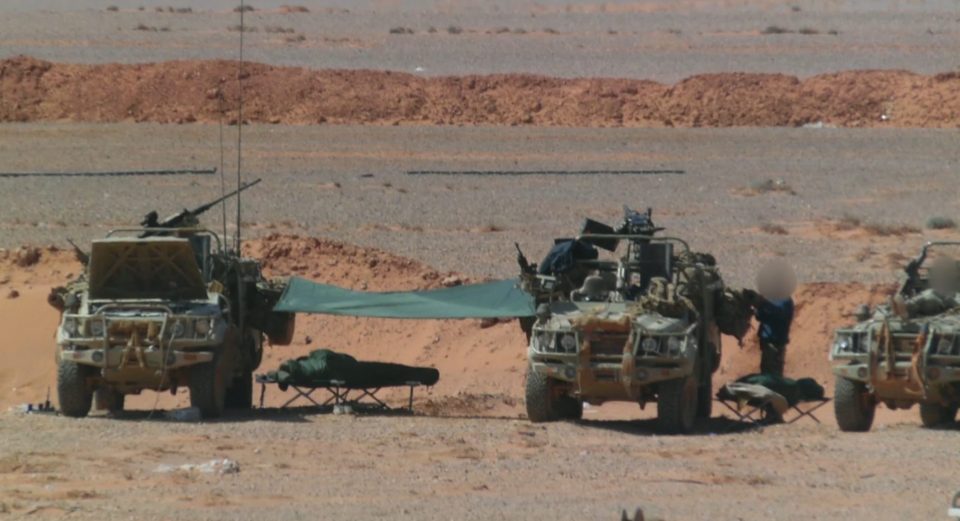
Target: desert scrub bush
{"x": 773, "y": 229}
{"x": 767, "y": 186}
{"x": 939, "y": 222}
{"x": 278, "y": 29}
{"x": 775, "y": 29}
{"x": 848, "y": 222}
{"x": 113, "y": 8}
{"x": 244, "y": 8}
{"x": 808, "y": 31}
{"x": 401, "y": 30}
{"x": 150, "y": 28}
{"x": 294, "y": 9}
{"x": 454, "y": 29}
{"x": 245, "y": 28}
{"x": 889, "y": 230}
{"x": 298, "y": 38}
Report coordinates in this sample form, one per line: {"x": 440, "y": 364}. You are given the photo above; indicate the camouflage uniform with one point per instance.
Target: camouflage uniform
{"x": 931, "y": 302}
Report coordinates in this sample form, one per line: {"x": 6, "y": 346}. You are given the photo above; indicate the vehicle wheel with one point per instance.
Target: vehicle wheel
{"x": 853, "y": 406}
{"x": 74, "y": 393}
{"x": 240, "y": 393}
{"x": 934, "y": 415}
{"x": 542, "y": 402}
{"x": 677, "y": 405}
{"x": 570, "y": 408}
{"x": 208, "y": 388}
{"x": 109, "y": 400}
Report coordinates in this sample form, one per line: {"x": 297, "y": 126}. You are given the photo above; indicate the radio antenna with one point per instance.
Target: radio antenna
{"x": 240, "y": 122}
{"x": 223, "y": 180}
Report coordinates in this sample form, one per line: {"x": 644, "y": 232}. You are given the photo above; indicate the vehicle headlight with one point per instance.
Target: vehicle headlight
{"x": 569, "y": 343}
{"x": 96, "y": 327}
{"x": 945, "y": 345}
{"x": 843, "y": 343}
{"x": 179, "y": 329}
{"x": 650, "y": 345}
{"x": 674, "y": 343}
{"x": 545, "y": 342}
{"x": 202, "y": 327}
{"x": 71, "y": 326}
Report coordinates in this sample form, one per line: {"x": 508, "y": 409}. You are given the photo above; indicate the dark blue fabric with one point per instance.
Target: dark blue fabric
{"x": 775, "y": 318}
{"x": 563, "y": 255}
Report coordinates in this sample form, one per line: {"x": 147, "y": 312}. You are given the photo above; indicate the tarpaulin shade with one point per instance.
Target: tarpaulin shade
{"x": 501, "y": 298}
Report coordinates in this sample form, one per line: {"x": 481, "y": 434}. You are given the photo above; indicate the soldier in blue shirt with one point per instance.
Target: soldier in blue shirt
{"x": 775, "y": 318}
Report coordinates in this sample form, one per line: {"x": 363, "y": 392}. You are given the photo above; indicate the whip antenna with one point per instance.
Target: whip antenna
{"x": 223, "y": 181}
{"x": 240, "y": 121}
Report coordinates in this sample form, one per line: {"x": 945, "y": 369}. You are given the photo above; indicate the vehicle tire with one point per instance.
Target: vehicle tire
{"x": 570, "y": 408}
{"x": 73, "y": 391}
{"x": 853, "y": 406}
{"x": 541, "y": 400}
{"x": 934, "y": 415}
{"x": 240, "y": 393}
{"x": 677, "y": 405}
{"x": 208, "y": 388}
{"x": 109, "y": 400}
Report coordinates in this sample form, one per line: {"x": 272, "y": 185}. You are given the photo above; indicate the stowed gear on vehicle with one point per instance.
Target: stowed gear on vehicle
{"x": 160, "y": 307}
{"x": 642, "y": 327}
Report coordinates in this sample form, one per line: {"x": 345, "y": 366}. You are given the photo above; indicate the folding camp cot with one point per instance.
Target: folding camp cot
{"x": 754, "y": 404}
{"x": 341, "y": 392}
{"x": 346, "y": 380}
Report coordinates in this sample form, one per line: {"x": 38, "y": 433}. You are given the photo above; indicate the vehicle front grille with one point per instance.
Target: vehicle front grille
{"x": 608, "y": 344}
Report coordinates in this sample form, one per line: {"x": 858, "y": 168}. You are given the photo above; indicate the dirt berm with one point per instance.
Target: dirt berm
{"x": 35, "y": 90}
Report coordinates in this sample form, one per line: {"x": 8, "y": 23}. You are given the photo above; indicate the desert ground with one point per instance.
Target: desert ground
{"x": 748, "y": 115}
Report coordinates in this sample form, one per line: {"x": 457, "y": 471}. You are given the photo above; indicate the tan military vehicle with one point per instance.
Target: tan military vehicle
{"x": 162, "y": 307}
{"x": 905, "y": 352}
{"x": 642, "y": 327}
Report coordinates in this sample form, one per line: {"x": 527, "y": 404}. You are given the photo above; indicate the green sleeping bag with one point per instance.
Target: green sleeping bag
{"x": 794, "y": 391}
{"x": 323, "y": 365}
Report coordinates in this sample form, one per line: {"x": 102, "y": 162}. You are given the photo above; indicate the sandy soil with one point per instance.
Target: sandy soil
{"x": 847, "y": 208}
{"x": 661, "y": 40}
{"x": 34, "y": 90}
{"x": 349, "y": 183}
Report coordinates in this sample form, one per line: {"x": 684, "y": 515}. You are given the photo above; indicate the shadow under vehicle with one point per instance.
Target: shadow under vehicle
{"x": 161, "y": 307}
{"x": 905, "y": 352}
{"x": 641, "y": 327}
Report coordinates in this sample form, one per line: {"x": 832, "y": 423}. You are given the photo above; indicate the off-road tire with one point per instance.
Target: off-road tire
{"x": 852, "y": 406}
{"x": 208, "y": 388}
{"x": 677, "y": 405}
{"x": 240, "y": 393}
{"x": 73, "y": 391}
{"x": 108, "y": 400}
{"x": 934, "y": 415}
{"x": 570, "y": 408}
{"x": 542, "y": 403}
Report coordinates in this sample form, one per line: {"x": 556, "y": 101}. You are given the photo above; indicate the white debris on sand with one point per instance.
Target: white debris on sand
{"x": 214, "y": 466}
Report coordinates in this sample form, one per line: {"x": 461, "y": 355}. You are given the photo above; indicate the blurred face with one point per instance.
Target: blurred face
{"x": 776, "y": 280}
{"x": 944, "y": 275}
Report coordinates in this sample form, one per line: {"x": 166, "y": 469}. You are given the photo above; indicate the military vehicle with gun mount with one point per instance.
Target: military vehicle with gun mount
{"x": 642, "y": 327}
{"x": 906, "y": 351}
{"x": 165, "y": 306}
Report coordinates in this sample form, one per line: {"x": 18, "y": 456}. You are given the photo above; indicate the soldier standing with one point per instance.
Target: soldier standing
{"x": 774, "y": 310}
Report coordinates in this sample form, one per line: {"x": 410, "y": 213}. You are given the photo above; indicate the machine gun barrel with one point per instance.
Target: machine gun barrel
{"x": 177, "y": 220}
